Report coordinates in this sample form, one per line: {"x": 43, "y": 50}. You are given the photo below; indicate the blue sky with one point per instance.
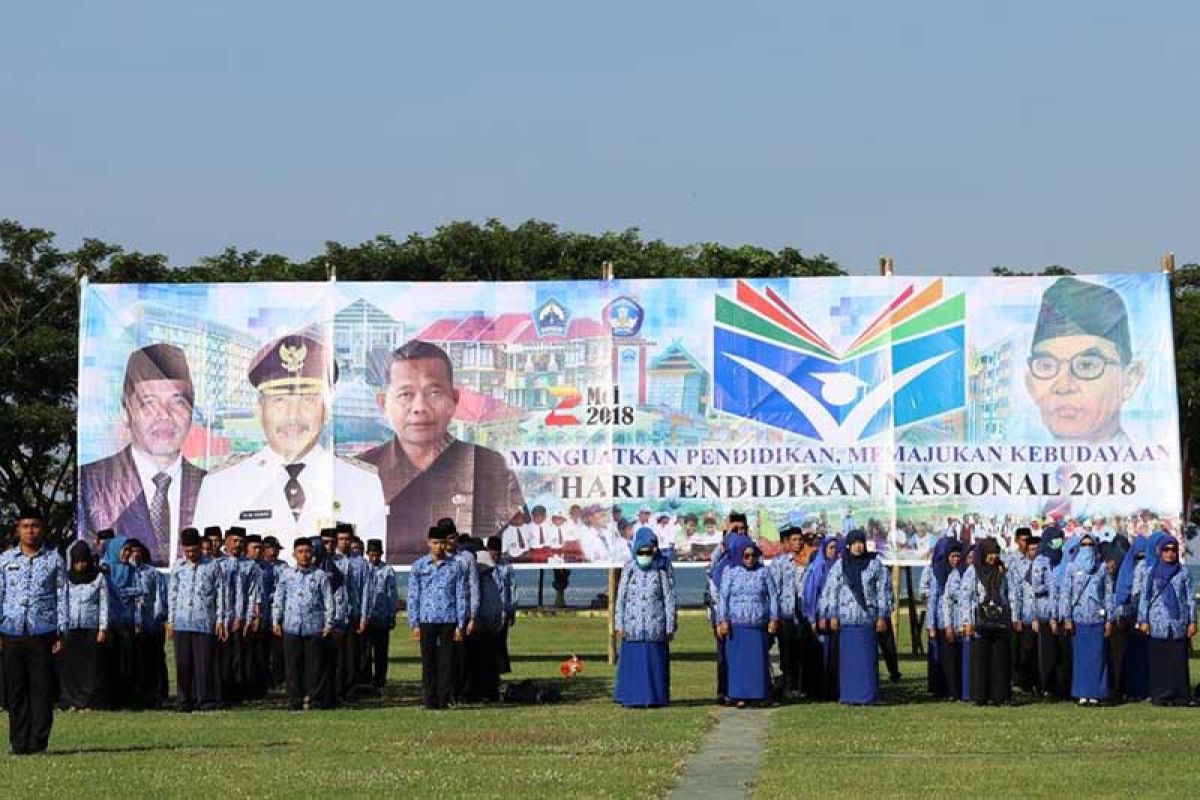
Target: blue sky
{"x": 953, "y": 136}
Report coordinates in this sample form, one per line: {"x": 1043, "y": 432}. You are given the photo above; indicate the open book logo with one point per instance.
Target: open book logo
{"x": 907, "y": 366}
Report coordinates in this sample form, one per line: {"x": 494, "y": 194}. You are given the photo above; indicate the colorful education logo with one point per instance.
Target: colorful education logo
{"x": 907, "y": 366}
{"x": 550, "y": 318}
{"x": 624, "y": 317}
{"x": 568, "y": 398}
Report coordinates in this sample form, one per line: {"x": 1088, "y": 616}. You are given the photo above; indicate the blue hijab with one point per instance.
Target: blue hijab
{"x": 645, "y": 537}
{"x": 1050, "y": 535}
{"x": 1153, "y": 544}
{"x": 1162, "y": 574}
{"x": 1070, "y": 550}
{"x": 120, "y": 574}
{"x": 814, "y": 580}
{"x": 1087, "y": 558}
{"x": 1128, "y": 565}
{"x": 738, "y": 545}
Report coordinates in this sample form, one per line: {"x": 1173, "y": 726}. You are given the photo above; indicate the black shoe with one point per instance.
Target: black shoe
{"x": 182, "y": 709}
{"x": 896, "y": 678}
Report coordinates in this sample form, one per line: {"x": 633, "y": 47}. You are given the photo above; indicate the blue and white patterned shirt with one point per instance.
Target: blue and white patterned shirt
{"x": 87, "y": 604}
{"x": 840, "y": 601}
{"x": 1153, "y": 608}
{"x": 152, "y": 612}
{"x": 270, "y": 572}
{"x": 1045, "y": 594}
{"x": 1086, "y": 597}
{"x": 748, "y": 597}
{"x": 304, "y": 602}
{"x": 382, "y": 597}
{"x": 437, "y": 593}
{"x": 789, "y": 580}
{"x": 645, "y": 610}
{"x": 227, "y": 567}
{"x": 468, "y": 565}
{"x": 249, "y": 589}
{"x": 971, "y": 592}
{"x": 196, "y": 596}
{"x": 33, "y": 593}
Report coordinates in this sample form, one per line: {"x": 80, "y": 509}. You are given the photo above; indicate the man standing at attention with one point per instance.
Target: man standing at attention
{"x": 33, "y": 617}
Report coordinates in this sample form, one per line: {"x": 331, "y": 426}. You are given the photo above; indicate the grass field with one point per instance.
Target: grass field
{"x": 587, "y": 747}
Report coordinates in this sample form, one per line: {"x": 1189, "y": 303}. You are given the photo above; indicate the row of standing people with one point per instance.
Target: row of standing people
{"x": 826, "y": 604}
{"x": 1099, "y": 622}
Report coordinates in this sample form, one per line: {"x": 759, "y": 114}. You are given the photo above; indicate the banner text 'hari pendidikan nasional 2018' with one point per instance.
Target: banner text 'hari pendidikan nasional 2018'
{"x": 563, "y": 416}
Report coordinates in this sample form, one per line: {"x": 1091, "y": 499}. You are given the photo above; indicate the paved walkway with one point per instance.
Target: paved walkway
{"x": 727, "y": 764}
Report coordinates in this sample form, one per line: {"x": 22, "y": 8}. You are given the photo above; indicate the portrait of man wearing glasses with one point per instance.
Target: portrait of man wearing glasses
{"x": 1081, "y": 370}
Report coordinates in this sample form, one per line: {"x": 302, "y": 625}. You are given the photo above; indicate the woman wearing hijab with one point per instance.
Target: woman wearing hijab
{"x": 824, "y": 677}
{"x": 645, "y": 623}
{"x": 1053, "y": 656}
{"x": 1134, "y": 679}
{"x": 747, "y": 615}
{"x": 990, "y": 615}
{"x": 949, "y": 616}
{"x": 1084, "y": 607}
{"x": 1167, "y": 615}
{"x": 957, "y": 615}
{"x": 82, "y": 670}
{"x": 933, "y": 584}
{"x": 856, "y": 600}
{"x": 126, "y": 596}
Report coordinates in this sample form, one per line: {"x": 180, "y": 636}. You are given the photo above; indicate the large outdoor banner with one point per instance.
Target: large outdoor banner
{"x": 561, "y": 417}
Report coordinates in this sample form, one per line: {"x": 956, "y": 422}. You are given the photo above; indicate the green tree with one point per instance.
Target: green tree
{"x": 39, "y": 309}
{"x": 1186, "y": 319}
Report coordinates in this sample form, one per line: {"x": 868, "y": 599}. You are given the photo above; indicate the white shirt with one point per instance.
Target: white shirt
{"x": 513, "y": 541}
{"x": 541, "y": 535}
{"x": 250, "y": 493}
{"x": 665, "y": 534}
{"x": 147, "y": 469}
{"x": 593, "y": 545}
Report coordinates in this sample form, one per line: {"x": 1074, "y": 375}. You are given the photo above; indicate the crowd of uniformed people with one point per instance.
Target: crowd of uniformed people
{"x": 87, "y": 629}
{"x": 1078, "y": 617}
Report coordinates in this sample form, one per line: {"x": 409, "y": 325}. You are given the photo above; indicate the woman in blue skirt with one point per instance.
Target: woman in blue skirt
{"x": 645, "y": 622}
{"x": 1085, "y": 608}
{"x": 747, "y": 616}
{"x": 856, "y": 598}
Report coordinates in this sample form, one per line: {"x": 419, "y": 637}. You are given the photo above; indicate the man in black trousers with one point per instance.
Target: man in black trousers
{"x": 195, "y": 622}
{"x": 33, "y": 615}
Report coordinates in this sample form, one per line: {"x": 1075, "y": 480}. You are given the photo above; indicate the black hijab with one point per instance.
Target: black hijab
{"x": 853, "y": 566}
{"x": 80, "y": 551}
{"x": 990, "y": 575}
